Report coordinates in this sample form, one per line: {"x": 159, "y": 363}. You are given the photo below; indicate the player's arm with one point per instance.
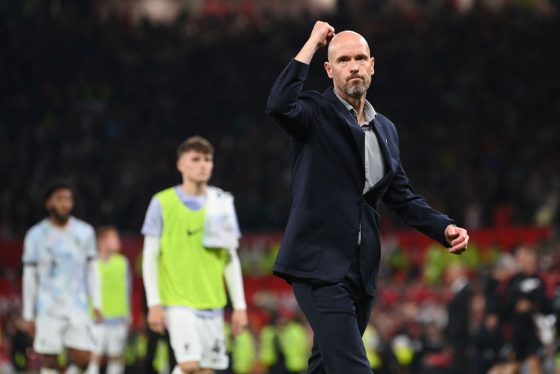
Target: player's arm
{"x": 93, "y": 278}
{"x": 234, "y": 282}
{"x": 30, "y": 283}
{"x": 94, "y": 288}
{"x": 129, "y": 289}
{"x": 150, "y": 275}
{"x": 284, "y": 103}
{"x": 152, "y": 229}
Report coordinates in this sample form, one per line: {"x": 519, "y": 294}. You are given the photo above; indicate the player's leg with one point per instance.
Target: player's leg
{"x": 49, "y": 364}
{"x": 79, "y": 358}
{"x": 45, "y": 370}
{"x": 115, "y": 365}
{"x": 100, "y": 341}
{"x": 195, "y": 368}
{"x": 214, "y": 351}
{"x": 116, "y": 343}
{"x": 187, "y": 367}
{"x": 79, "y": 340}
{"x": 48, "y": 343}
{"x": 94, "y": 366}
{"x": 185, "y": 340}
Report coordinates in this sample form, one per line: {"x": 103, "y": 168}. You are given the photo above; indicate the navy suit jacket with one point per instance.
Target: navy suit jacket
{"x": 328, "y": 206}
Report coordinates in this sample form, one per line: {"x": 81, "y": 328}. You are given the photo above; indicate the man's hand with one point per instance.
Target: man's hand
{"x": 156, "y": 319}
{"x": 239, "y": 321}
{"x": 97, "y": 316}
{"x": 321, "y": 34}
{"x": 457, "y": 238}
{"x": 29, "y": 327}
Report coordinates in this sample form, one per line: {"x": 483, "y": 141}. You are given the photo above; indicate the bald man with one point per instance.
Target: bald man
{"x": 344, "y": 161}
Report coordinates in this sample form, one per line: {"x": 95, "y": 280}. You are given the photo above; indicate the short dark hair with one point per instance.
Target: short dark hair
{"x": 55, "y": 185}
{"x": 102, "y": 230}
{"x": 195, "y": 143}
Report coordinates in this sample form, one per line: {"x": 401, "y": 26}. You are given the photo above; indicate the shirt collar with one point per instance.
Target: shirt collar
{"x": 369, "y": 112}
{"x": 185, "y": 197}
{"x": 458, "y": 284}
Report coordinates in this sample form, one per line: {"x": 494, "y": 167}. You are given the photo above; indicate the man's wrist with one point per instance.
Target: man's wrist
{"x": 307, "y": 52}
{"x": 314, "y": 44}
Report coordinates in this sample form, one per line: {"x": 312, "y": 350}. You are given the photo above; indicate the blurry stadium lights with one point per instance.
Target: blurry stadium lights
{"x": 167, "y": 11}
{"x": 323, "y": 6}
{"x": 158, "y": 11}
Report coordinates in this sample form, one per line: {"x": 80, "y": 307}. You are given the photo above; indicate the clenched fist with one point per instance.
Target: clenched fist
{"x": 321, "y": 34}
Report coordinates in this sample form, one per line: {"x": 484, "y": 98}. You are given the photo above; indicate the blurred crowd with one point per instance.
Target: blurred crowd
{"x": 106, "y": 103}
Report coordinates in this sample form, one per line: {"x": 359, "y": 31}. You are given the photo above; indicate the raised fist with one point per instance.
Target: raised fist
{"x": 322, "y": 33}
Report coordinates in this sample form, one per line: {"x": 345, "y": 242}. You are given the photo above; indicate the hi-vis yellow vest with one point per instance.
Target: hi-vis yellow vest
{"x": 113, "y": 275}
{"x": 189, "y": 274}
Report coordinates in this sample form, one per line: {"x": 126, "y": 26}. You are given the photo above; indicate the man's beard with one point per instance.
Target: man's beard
{"x": 357, "y": 90}
{"x": 58, "y": 217}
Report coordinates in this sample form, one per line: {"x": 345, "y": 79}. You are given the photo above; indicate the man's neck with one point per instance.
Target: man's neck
{"x": 357, "y": 103}
{"x": 194, "y": 189}
{"x": 57, "y": 223}
{"x": 104, "y": 255}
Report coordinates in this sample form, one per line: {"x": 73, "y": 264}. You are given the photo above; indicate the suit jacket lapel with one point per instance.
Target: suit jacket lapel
{"x": 357, "y": 133}
{"x": 353, "y": 126}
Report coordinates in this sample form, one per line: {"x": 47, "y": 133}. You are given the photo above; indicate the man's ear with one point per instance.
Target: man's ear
{"x": 179, "y": 164}
{"x": 372, "y": 66}
{"x": 328, "y": 69}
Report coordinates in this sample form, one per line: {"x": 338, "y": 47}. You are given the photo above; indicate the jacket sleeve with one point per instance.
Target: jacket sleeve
{"x": 413, "y": 209}
{"x": 285, "y": 104}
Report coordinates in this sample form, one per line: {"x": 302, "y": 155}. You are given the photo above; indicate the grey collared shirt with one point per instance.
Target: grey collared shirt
{"x": 374, "y": 167}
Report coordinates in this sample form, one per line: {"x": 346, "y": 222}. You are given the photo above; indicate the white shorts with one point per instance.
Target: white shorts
{"x": 110, "y": 338}
{"x": 197, "y": 338}
{"x": 53, "y": 334}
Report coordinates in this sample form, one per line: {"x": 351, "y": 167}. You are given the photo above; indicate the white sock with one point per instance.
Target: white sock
{"x": 115, "y": 367}
{"x": 48, "y": 371}
{"x": 93, "y": 368}
{"x": 72, "y": 369}
{"x": 177, "y": 370}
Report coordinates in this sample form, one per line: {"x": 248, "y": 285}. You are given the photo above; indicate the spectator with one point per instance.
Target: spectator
{"x": 527, "y": 297}
{"x": 457, "y": 331}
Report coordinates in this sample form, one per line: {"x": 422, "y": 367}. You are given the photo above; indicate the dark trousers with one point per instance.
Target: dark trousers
{"x": 338, "y": 314}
